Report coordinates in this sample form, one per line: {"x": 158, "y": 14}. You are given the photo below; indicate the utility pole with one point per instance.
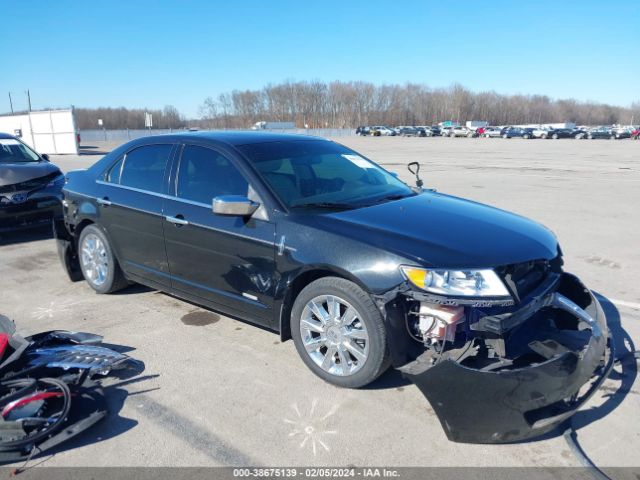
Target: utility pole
{"x": 29, "y": 99}
{"x": 11, "y": 103}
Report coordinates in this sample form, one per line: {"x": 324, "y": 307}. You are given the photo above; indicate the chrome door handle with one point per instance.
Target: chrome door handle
{"x": 104, "y": 202}
{"x": 177, "y": 220}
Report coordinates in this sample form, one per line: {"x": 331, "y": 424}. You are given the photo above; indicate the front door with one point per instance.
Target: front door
{"x": 228, "y": 260}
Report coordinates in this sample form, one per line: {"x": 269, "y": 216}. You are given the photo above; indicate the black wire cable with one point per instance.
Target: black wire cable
{"x": 31, "y": 440}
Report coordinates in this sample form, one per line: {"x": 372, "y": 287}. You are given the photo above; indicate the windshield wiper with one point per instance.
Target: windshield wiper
{"x": 396, "y": 196}
{"x": 323, "y": 205}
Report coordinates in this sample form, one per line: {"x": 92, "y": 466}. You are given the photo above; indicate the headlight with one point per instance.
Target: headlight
{"x": 58, "y": 181}
{"x": 459, "y": 283}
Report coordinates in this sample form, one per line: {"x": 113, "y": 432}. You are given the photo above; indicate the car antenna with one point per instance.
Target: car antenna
{"x": 415, "y": 170}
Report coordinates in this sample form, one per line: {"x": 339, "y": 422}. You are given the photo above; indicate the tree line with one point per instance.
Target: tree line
{"x": 131, "y": 118}
{"x": 337, "y": 104}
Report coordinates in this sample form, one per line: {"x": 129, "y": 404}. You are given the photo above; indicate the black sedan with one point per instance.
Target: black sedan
{"x": 29, "y": 185}
{"x": 556, "y": 133}
{"x": 312, "y": 240}
{"x": 411, "y": 132}
{"x": 600, "y": 132}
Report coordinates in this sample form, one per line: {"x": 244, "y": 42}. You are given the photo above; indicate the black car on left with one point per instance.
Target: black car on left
{"x": 30, "y": 185}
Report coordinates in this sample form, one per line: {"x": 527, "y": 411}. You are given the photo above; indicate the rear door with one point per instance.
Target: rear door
{"x": 228, "y": 260}
{"x": 130, "y": 203}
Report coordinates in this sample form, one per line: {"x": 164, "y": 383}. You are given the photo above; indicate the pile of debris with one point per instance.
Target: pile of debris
{"x": 50, "y": 388}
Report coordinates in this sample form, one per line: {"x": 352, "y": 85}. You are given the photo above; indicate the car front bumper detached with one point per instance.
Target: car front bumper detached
{"x": 570, "y": 357}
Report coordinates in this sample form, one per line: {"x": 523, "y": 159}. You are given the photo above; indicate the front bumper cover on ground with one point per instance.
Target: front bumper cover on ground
{"x": 478, "y": 406}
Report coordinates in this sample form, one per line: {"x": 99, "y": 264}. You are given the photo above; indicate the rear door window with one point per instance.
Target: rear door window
{"x": 144, "y": 167}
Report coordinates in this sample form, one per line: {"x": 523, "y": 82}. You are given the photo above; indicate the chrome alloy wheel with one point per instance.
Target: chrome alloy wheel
{"x": 94, "y": 259}
{"x": 334, "y": 336}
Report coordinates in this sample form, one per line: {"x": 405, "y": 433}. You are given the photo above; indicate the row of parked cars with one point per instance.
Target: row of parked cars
{"x": 607, "y": 132}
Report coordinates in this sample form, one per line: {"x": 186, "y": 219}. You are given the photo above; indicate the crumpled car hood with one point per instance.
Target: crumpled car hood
{"x": 445, "y": 231}
{"x": 11, "y": 173}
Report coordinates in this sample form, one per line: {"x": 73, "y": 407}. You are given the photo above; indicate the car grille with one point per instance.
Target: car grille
{"x": 524, "y": 278}
{"x": 29, "y": 185}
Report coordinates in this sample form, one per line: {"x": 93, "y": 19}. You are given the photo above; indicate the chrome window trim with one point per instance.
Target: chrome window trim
{"x": 182, "y": 200}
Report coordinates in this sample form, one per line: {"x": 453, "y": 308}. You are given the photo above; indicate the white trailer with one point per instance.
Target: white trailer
{"x": 47, "y": 131}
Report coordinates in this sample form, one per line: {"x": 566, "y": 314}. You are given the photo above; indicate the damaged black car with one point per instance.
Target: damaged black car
{"x": 313, "y": 240}
{"x": 29, "y": 185}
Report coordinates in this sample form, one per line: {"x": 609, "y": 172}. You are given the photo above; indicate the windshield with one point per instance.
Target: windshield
{"x": 318, "y": 173}
{"x": 13, "y": 151}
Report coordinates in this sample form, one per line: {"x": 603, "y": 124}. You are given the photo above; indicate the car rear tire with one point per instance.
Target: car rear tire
{"x": 590, "y": 137}
{"x": 526, "y": 137}
{"x": 554, "y": 136}
{"x": 339, "y": 333}
{"x": 505, "y": 136}
{"x": 98, "y": 263}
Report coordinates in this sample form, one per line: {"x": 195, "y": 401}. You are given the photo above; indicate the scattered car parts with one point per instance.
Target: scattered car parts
{"x": 50, "y": 387}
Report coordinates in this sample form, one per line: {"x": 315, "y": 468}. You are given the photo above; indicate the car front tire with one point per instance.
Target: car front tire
{"x": 98, "y": 263}
{"x": 339, "y": 333}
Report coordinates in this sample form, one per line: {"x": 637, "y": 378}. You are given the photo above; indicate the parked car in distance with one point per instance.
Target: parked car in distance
{"x": 514, "y": 132}
{"x": 384, "y": 131}
{"x": 461, "y": 132}
{"x": 435, "y": 131}
{"x": 445, "y": 131}
{"x": 425, "y": 130}
{"x": 556, "y": 133}
{"x": 492, "y": 132}
{"x": 29, "y": 185}
{"x": 466, "y": 300}
{"x": 579, "y": 133}
{"x": 600, "y": 132}
{"x": 409, "y": 132}
{"x": 538, "y": 132}
{"x": 528, "y": 133}
{"x": 620, "y": 133}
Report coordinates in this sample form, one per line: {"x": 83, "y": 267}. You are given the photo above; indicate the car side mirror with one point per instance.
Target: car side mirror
{"x": 45, "y": 157}
{"x": 236, "y": 205}
{"x": 395, "y": 174}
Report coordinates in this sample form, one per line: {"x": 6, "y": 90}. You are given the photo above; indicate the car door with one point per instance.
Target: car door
{"x": 228, "y": 260}
{"x": 130, "y": 203}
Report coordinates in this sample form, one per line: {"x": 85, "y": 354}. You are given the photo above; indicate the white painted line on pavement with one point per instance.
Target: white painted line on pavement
{"x": 622, "y": 303}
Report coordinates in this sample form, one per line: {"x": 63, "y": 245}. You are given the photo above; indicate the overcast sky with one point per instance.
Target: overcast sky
{"x": 155, "y": 53}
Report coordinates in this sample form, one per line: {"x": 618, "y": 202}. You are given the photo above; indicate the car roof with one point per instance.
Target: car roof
{"x": 6, "y": 136}
{"x": 235, "y": 138}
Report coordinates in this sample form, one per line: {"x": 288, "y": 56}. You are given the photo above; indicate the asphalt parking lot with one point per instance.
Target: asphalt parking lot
{"x": 218, "y": 391}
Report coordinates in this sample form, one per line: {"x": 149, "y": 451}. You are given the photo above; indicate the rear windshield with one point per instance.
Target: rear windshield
{"x": 13, "y": 151}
